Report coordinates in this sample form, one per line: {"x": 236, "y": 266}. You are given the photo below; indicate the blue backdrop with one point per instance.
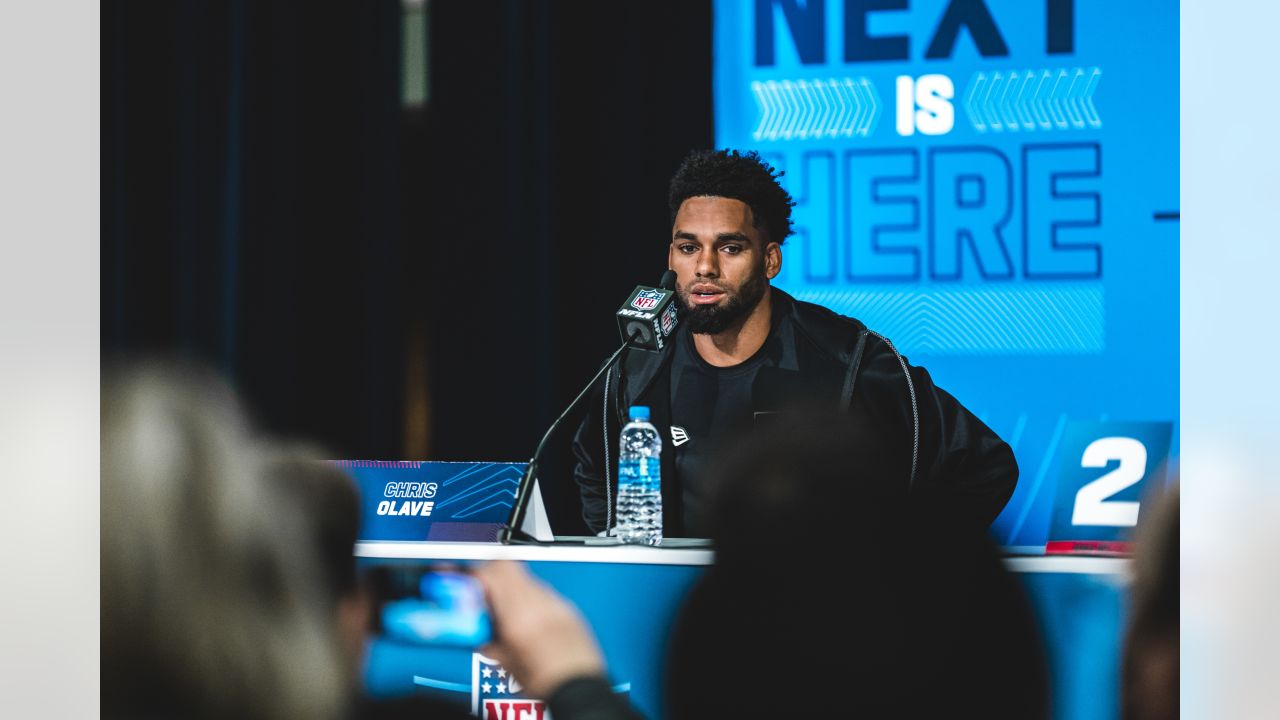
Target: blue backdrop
{"x": 994, "y": 187}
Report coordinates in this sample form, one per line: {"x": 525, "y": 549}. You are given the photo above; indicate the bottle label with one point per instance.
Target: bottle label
{"x": 642, "y": 472}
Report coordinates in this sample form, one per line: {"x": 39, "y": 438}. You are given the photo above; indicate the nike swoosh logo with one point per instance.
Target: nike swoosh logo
{"x": 678, "y": 436}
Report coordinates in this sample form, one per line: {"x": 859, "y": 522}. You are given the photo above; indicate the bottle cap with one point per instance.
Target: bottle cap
{"x": 639, "y": 412}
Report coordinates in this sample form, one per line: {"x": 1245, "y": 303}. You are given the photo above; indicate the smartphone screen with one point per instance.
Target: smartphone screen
{"x": 422, "y": 605}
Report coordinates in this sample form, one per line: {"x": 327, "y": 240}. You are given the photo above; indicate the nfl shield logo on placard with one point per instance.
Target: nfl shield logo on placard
{"x": 646, "y": 300}
{"x": 495, "y": 695}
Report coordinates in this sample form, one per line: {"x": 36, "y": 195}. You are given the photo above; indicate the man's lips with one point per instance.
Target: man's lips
{"x": 705, "y": 294}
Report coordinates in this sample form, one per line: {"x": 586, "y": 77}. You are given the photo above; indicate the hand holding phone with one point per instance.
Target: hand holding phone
{"x": 538, "y": 635}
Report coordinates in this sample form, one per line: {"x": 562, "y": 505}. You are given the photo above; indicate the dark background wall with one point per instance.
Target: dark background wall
{"x": 430, "y": 283}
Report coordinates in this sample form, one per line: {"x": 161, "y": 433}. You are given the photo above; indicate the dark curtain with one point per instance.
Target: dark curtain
{"x": 251, "y": 206}
{"x": 394, "y": 283}
{"x": 556, "y": 128}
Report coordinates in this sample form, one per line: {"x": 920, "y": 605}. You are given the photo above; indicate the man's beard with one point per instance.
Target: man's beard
{"x": 714, "y": 319}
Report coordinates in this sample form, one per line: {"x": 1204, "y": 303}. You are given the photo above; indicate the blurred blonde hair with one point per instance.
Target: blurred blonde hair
{"x": 212, "y": 604}
{"x": 1150, "y": 671}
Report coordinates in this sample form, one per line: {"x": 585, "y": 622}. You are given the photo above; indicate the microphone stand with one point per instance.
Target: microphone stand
{"x": 513, "y": 531}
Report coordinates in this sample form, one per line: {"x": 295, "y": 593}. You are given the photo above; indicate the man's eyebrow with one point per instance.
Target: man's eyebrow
{"x": 720, "y": 238}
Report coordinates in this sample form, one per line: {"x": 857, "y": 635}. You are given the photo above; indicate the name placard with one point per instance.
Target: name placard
{"x": 418, "y": 500}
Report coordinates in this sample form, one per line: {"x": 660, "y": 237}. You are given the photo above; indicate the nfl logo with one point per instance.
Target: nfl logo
{"x": 668, "y": 319}
{"x": 646, "y": 300}
{"x": 495, "y": 695}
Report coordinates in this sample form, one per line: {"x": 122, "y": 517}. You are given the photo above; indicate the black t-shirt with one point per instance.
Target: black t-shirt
{"x": 710, "y": 405}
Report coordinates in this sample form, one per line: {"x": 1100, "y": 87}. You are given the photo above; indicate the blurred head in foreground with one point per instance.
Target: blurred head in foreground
{"x": 210, "y": 607}
{"x": 1151, "y": 657}
{"x": 326, "y": 495}
{"x": 834, "y": 592}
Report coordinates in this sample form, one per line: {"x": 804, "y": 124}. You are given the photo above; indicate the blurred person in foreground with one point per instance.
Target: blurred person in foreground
{"x": 836, "y": 591}
{"x": 1151, "y": 656}
{"x": 745, "y": 349}
{"x": 210, "y": 606}
{"x": 229, "y": 586}
{"x": 330, "y": 499}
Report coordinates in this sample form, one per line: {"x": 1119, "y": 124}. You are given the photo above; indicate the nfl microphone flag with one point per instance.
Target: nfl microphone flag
{"x": 650, "y": 313}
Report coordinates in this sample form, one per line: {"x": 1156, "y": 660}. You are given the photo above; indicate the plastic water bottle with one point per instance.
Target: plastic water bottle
{"x": 639, "y": 481}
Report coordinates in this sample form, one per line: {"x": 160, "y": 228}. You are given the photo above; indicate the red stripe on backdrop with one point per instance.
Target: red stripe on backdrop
{"x": 1087, "y": 547}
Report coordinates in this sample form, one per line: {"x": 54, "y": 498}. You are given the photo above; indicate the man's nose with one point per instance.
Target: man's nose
{"x": 708, "y": 265}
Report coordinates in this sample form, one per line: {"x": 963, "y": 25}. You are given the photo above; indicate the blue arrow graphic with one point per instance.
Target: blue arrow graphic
{"x": 1033, "y": 99}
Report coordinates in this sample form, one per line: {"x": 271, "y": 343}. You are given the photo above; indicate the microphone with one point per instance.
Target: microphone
{"x": 643, "y": 328}
{"x": 650, "y": 313}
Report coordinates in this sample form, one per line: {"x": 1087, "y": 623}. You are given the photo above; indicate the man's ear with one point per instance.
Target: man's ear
{"x": 772, "y": 260}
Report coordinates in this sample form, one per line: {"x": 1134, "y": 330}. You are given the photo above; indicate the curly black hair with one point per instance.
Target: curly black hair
{"x": 741, "y": 176}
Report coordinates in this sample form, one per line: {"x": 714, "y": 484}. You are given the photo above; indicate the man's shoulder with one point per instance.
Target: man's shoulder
{"x": 814, "y": 315}
{"x": 828, "y": 329}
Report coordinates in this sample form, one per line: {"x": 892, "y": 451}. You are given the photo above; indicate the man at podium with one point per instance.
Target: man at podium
{"x": 745, "y": 353}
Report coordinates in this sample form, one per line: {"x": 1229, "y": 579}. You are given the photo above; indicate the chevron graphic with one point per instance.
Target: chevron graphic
{"x": 1027, "y": 320}
{"x": 481, "y": 485}
{"x": 815, "y": 109}
{"x": 1046, "y": 99}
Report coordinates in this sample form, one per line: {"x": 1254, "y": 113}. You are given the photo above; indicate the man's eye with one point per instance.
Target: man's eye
{"x": 732, "y": 249}
{"x": 688, "y": 248}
